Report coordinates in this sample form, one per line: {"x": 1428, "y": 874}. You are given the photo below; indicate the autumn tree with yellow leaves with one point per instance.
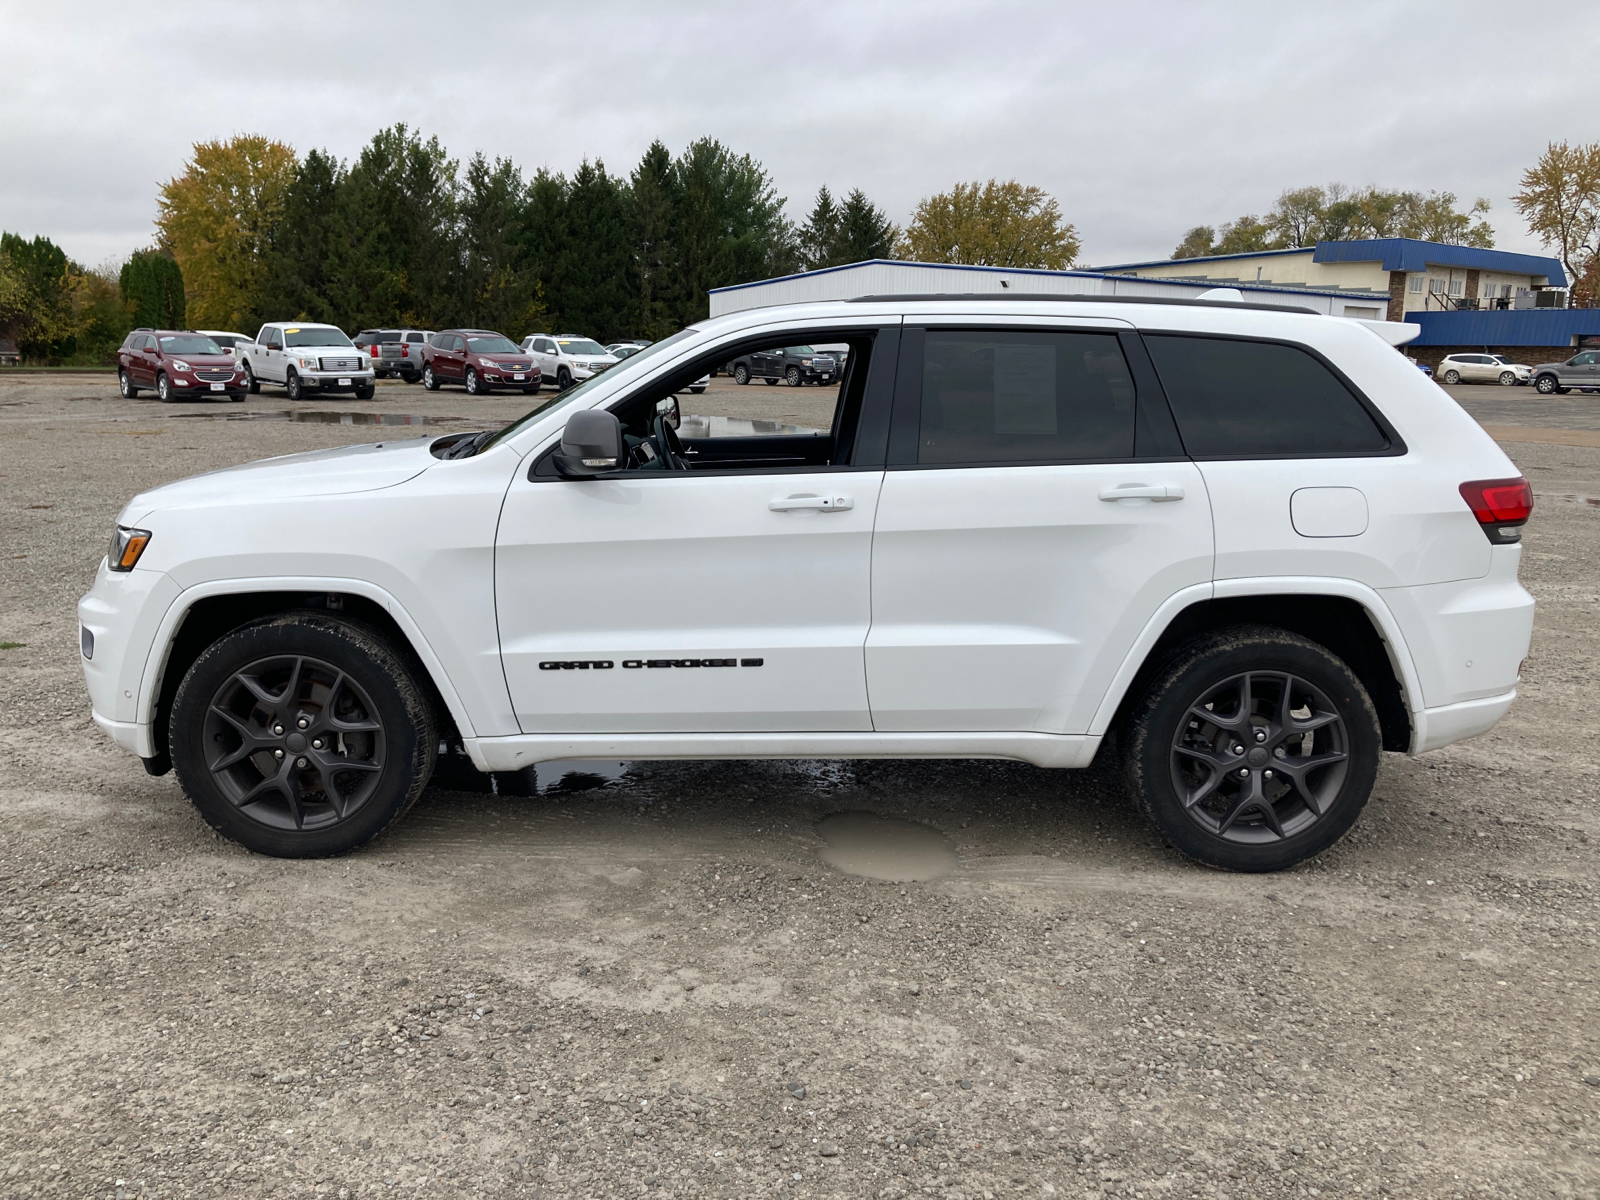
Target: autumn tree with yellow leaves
{"x": 991, "y": 224}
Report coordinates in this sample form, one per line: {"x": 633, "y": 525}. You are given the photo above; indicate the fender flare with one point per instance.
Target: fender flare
{"x": 166, "y": 634}
{"x": 1282, "y": 585}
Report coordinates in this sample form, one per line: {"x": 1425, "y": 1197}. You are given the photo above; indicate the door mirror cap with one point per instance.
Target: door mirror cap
{"x": 669, "y": 410}
{"x": 591, "y": 445}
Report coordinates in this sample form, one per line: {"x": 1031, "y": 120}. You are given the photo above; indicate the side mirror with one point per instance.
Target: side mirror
{"x": 591, "y": 445}
{"x": 669, "y": 409}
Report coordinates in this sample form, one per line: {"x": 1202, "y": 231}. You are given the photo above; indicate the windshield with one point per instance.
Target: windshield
{"x": 492, "y": 345}
{"x": 315, "y": 335}
{"x": 622, "y": 352}
{"x": 191, "y": 344}
{"x": 580, "y": 346}
{"x": 799, "y": 350}
{"x": 567, "y": 397}
{"x": 1501, "y": 358}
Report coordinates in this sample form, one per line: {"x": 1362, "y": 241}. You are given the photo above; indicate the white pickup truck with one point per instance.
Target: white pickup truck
{"x": 306, "y": 358}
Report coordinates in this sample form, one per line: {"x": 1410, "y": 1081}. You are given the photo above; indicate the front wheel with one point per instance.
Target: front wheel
{"x": 365, "y": 393}
{"x": 474, "y": 388}
{"x": 1254, "y": 750}
{"x": 563, "y": 379}
{"x": 163, "y": 388}
{"x": 1545, "y": 385}
{"x": 301, "y": 736}
{"x": 292, "y": 384}
{"x": 792, "y": 376}
{"x": 251, "y": 383}
{"x": 741, "y": 374}
{"x": 125, "y": 384}
{"x": 429, "y": 379}
{"x": 1508, "y": 378}
{"x": 1452, "y": 376}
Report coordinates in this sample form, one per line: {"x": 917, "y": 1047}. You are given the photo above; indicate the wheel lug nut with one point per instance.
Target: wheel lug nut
{"x": 277, "y": 754}
{"x": 1261, "y": 735}
{"x": 1238, "y": 749}
{"x": 299, "y": 762}
{"x": 316, "y": 744}
{"x": 1244, "y": 772}
{"x": 1266, "y": 774}
{"x": 303, "y": 722}
{"x": 278, "y": 729}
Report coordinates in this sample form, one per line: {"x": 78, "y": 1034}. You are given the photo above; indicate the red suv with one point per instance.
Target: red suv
{"x": 480, "y": 359}
{"x": 177, "y": 363}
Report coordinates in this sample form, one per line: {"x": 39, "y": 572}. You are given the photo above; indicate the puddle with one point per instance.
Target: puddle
{"x": 456, "y": 772}
{"x": 572, "y": 775}
{"x": 863, "y": 843}
{"x": 694, "y": 426}
{"x": 302, "y": 416}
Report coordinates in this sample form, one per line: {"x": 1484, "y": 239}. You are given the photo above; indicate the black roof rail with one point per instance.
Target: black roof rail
{"x": 1080, "y": 298}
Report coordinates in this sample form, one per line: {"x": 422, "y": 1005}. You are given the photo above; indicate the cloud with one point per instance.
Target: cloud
{"x": 1141, "y": 118}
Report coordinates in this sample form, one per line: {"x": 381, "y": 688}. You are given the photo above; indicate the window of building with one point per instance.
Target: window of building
{"x": 1455, "y": 287}
{"x": 1004, "y": 397}
{"x": 1415, "y": 283}
{"x": 1241, "y": 399}
{"x": 1436, "y": 286}
{"x": 1365, "y": 314}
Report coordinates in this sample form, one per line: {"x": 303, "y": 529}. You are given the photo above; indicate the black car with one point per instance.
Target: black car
{"x": 794, "y": 365}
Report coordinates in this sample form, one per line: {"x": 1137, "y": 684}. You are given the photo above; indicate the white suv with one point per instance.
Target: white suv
{"x": 1254, "y": 543}
{"x": 306, "y": 357}
{"x": 566, "y": 358}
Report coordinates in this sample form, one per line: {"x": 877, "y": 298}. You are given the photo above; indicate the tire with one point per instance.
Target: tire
{"x": 1452, "y": 376}
{"x": 365, "y": 393}
{"x": 163, "y": 388}
{"x": 698, "y": 391}
{"x": 792, "y": 377}
{"x": 251, "y": 383}
{"x": 530, "y": 391}
{"x": 237, "y": 397}
{"x": 1182, "y": 769}
{"x": 293, "y": 386}
{"x": 125, "y": 385}
{"x": 563, "y": 379}
{"x": 769, "y": 381}
{"x": 270, "y": 675}
{"x": 741, "y": 374}
{"x": 429, "y": 379}
{"x": 1545, "y": 385}
{"x": 411, "y": 377}
{"x": 474, "y": 388}
{"x": 1508, "y": 378}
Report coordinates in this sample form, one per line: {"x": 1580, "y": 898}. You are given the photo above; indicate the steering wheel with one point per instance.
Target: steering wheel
{"x": 668, "y": 444}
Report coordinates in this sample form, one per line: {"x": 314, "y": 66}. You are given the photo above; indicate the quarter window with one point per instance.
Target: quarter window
{"x": 1240, "y": 399}
{"x": 1008, "y": 397}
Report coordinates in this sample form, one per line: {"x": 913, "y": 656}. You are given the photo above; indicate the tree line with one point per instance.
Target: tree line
{"x": 402, "y": 233}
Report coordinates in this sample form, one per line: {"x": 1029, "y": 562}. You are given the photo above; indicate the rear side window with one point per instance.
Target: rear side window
{"x": 1239, "y": 399}
{"x": 1008, "y": 397}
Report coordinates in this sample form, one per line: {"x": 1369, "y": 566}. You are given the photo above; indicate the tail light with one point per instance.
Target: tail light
{"x": 405, "y": 351}
{"x": 374, "y": 349}
{"x": 1502, "y": 507}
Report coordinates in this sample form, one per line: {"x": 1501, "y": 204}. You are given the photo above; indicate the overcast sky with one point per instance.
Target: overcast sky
{"x": 1142, "y": 119}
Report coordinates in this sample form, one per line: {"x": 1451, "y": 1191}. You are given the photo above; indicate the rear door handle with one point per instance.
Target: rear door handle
{"x": 830, "y": 503}
{"x": 1159, "y": 493}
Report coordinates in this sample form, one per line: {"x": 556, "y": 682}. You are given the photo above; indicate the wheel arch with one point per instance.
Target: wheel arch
{"x": 202, "y": 614}
{"x": 1350, "y": 620}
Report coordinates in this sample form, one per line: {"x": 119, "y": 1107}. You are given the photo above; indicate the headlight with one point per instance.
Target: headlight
{"x": 309, "y": 363}
{"x": 126, "y": 547}
{"x": 179, "y": 365}
{"x": 493, "y": 366}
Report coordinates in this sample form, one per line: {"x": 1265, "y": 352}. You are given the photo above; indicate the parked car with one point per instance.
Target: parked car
{"x": 565, "y": 358}
{"x": 622, "y": 350}
{"x": 177, "y": 364}
{"x": 1421, "y": 366}
{"x": 794, "y": 365}
{"x": 481, "y": 360}
{"x": 1482, "y": 368}
{"x": 222, "y": 337}
{"x": 304, "y": 357}
{"x": 1251, "y": 543}
{"x": 636, "y": 343}
{"x": 1582, "y": 371}
{"x": 394, "y": 352}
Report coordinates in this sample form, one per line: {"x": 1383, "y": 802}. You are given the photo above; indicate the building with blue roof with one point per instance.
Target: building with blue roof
{"x": 1406, "y": 277}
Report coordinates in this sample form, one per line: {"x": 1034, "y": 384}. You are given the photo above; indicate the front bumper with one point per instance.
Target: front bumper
{"x": 337, "y": 381}
{"x": 183, "y": 386}
{"x": 123, "y": 612}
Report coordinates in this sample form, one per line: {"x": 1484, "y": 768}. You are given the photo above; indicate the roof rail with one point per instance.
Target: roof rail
{"x": 1080, "y": 298}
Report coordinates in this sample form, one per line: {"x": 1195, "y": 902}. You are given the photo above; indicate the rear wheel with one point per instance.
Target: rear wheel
{"x": 125, "y": 384}
{"x": 292, "y": 385}
{"x": 741, "y": 374}
{"x": 1452, "y": 376}
{"x": 301, "y": 736}
{"x": 1508, "y": 378}
{"x": 1254, "y": 750}
{"x": 429, "y": 379}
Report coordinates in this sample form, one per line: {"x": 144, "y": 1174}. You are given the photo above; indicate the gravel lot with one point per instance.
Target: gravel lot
{"x": 661, "y": 987}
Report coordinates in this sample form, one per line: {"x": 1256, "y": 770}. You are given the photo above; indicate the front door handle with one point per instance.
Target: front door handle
{"x": 830, "y": 503}
{"x": 1159, "y": 493}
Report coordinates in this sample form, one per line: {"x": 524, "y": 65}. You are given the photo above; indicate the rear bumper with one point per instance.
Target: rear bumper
{"x": 1436, "y": 727}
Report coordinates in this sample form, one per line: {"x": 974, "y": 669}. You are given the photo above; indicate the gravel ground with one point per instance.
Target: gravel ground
{"x": 659, "y": 986}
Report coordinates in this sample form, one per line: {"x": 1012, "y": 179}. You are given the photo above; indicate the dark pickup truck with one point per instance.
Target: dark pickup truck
{"x": 794, "y": 365}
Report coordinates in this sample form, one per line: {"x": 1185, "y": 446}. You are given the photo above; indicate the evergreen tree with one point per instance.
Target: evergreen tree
{"x": 865, "y": 231}
{"x": 296, "y": 281}
{"x": 589, "y": 291}
{"x": 818, "y": 238}
{"x": 40, "y": 312}
{"x": 151, "y": 285}
{"x": 651, "y": 198}
{"x": 496, "y": 285}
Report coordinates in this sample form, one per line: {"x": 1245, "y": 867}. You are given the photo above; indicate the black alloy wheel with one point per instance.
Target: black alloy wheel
{"x": 430, "y": 381}
{"x": 1254, "y": 750}
{"x": 1452, "y": 376}
{"x": 792, "y": 375}
{"x": 301, "y": 735}
{"x": 125, "y": 384}
{"x": 474, "y": 388}
{"x": 251, "y": 383}
{"x": 741, "y": 374}
{"x": 293, "y": 385}
{"x": 1508, "y": 378}
{"x": 1545, "y": 385}
{"x": 163, "y": 388}
{"x": 563, "y": 379}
